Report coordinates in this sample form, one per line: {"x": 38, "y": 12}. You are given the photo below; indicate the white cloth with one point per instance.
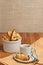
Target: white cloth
{"x": 39, "y": 49}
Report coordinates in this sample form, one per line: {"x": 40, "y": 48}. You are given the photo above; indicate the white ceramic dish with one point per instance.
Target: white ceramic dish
{"x": 26, "y": 49}
{"x": 11, "y": 46}
{"x": 32, "y": 59}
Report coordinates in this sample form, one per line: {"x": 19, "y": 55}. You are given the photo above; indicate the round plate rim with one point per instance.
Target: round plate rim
{"x": 14, "y": 57}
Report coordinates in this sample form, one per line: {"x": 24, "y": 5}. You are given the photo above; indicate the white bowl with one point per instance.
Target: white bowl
{"x": 11, "y": 46}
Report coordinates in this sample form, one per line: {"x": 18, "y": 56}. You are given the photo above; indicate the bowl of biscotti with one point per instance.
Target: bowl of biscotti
{"x": 11, "y": 41}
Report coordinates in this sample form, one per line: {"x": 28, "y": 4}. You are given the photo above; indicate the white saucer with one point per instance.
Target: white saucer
{"x": 32, "y": 59}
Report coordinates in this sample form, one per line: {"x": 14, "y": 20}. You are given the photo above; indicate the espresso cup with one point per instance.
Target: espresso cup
{"x": 26, "y": 49}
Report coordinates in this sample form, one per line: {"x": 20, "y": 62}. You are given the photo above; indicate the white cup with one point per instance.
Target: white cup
{"x": 26, "y": 49}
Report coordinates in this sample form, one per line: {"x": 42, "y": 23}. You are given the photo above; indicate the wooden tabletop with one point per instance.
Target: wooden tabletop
{"x": 28, "y": 38}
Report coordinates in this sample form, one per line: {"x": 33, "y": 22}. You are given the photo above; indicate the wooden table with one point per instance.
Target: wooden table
{"x": 26, "y": 38}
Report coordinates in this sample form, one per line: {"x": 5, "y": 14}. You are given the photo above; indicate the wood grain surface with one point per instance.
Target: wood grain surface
{"x": 28, "y": 38}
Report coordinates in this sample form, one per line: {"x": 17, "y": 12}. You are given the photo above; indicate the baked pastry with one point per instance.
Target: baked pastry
{"x": 3, "y": 63}
{"x": 10, "y": 33}
{"x": 18, "y": 36}
{"x": 15, "y": 36}
{"x": 6, "y": 37}
{"x": 22, "y": 56}
{"x": 12, "y": 36}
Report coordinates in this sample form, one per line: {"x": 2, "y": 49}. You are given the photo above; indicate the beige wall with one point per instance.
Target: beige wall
{"x": 22, "y": 15}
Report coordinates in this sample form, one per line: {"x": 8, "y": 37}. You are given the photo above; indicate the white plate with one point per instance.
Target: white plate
{"x": 23, "y": 61}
